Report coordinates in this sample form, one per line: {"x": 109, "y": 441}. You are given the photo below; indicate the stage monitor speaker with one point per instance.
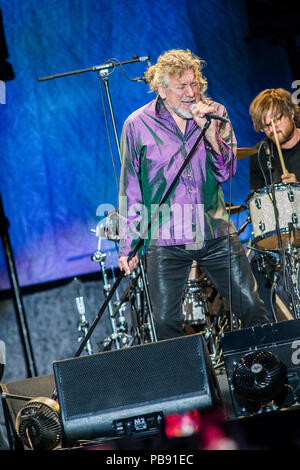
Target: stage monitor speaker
{"x": 282, "y": 340}
{"x": 128, "y": 391}
{"x": 42, "y": 386}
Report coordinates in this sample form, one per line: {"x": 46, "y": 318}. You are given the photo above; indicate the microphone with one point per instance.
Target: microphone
{"x": 210, "y": 115}
{"x": 142, "y": 59}
{"x": 2, "y": 358}
{"x": 140, "y": 79}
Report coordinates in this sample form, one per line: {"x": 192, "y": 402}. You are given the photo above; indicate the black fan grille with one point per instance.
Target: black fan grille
{"x": 259, "y": 376}
{"x": 38, "y": 426}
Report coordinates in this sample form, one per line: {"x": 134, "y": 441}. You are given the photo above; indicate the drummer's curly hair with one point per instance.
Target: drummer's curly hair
{"x": 175, "y": 62}
{"x": 282, "y": 102}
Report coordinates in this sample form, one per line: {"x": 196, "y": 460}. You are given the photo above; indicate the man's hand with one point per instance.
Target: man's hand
{"x": 126, "y": 266}
{"x": 198, "y": 112}
{"x": 289, "y": 178}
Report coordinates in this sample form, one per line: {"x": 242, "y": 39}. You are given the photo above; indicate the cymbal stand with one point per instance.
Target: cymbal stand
{"x": 82, "y": 324}
{"x": 290, "y": 278}
{"x": 137, "y": 295}
{"x": 142, "y": 317}
{"x": 119, "y": 335}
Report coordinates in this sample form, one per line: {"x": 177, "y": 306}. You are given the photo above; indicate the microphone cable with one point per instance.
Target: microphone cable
{"x": 228, "y": 230}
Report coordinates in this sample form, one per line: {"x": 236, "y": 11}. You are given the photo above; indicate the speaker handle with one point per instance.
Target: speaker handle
{"x": 16, "y": 397}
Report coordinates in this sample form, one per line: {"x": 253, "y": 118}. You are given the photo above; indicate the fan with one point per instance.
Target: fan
{"x": 259, "y": 377}
{"x": 38, "y": 424}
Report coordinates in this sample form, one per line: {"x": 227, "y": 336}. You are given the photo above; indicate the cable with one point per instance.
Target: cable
{"x": 228, "y": 232}
{"x": 273, "y": 300}
{"x": 108, "y": 135}
{"x": 259, "y": 162}
{"x": 107, "y": 74}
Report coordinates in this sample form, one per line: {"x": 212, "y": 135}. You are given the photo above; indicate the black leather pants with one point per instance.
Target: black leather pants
{"x": 168, "y": 269}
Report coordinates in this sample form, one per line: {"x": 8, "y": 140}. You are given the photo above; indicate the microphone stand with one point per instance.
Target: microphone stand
{"x": 141, "y": 240}
{"x": 274, "y": 203}
{"x": 103, "y": 70}
{"x": 277, "y": 228}
{"x": 20, "y": 310}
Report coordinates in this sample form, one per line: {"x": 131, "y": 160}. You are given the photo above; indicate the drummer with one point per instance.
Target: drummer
{"x": 275, "y": 104}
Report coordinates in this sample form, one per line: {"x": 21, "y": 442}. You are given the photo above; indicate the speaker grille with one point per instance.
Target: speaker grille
{"x": 152, "y": 372}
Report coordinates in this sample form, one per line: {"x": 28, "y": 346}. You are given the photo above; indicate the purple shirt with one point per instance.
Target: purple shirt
{"x": 153, "y": 150}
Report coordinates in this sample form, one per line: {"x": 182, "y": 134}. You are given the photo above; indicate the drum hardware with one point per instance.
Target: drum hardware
{"x": 135, "y": 295}
{"x": 235, "y": 209}
{"x": 109, "y": 227}
{"x": 268, "y": 263}
{"x": 282, "y": 271}
{"x": 291, "y": 281}
{"x": 242, "y": 228}
{"x": 119, "y": 336}
{"x": 194, "y": 306}
{"x": 82, "y": 323}
{"x": 142, "y": 328}
{"x": 206, "y": 312}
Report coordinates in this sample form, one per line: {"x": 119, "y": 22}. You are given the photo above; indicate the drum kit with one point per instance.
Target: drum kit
{"x": 275, "y": 218}
{"x": 274, "y": 214}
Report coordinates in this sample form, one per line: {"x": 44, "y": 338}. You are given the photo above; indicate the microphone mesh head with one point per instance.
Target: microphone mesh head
{"x": 2, "y": 352}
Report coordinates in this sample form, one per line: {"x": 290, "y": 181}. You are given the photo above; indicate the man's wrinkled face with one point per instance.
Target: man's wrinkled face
{"x": 180, "y": 93}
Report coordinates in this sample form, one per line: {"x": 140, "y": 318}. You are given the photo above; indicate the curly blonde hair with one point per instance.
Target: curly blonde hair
{"x": 279, "y": 99}
{"x": 175, "y": 62}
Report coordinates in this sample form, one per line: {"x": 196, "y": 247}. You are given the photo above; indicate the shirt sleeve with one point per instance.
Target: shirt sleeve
{"x": 223, "y": 164}
{"x": 130, "y": 194}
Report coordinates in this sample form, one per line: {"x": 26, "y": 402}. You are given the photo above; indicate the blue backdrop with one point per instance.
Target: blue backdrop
{"x": 56, "y": 163}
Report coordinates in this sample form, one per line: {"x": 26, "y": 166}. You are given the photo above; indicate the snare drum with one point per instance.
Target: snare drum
{"x": 262, "y": 215}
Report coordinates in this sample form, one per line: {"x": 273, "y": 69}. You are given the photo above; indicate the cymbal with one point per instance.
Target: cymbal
{"x": 235, "y": 209}
{"x": 244, "y": 152}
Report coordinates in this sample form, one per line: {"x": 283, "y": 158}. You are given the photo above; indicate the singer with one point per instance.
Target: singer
{"x": 155, "y": 141}
{"x": 276, "y": 104}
